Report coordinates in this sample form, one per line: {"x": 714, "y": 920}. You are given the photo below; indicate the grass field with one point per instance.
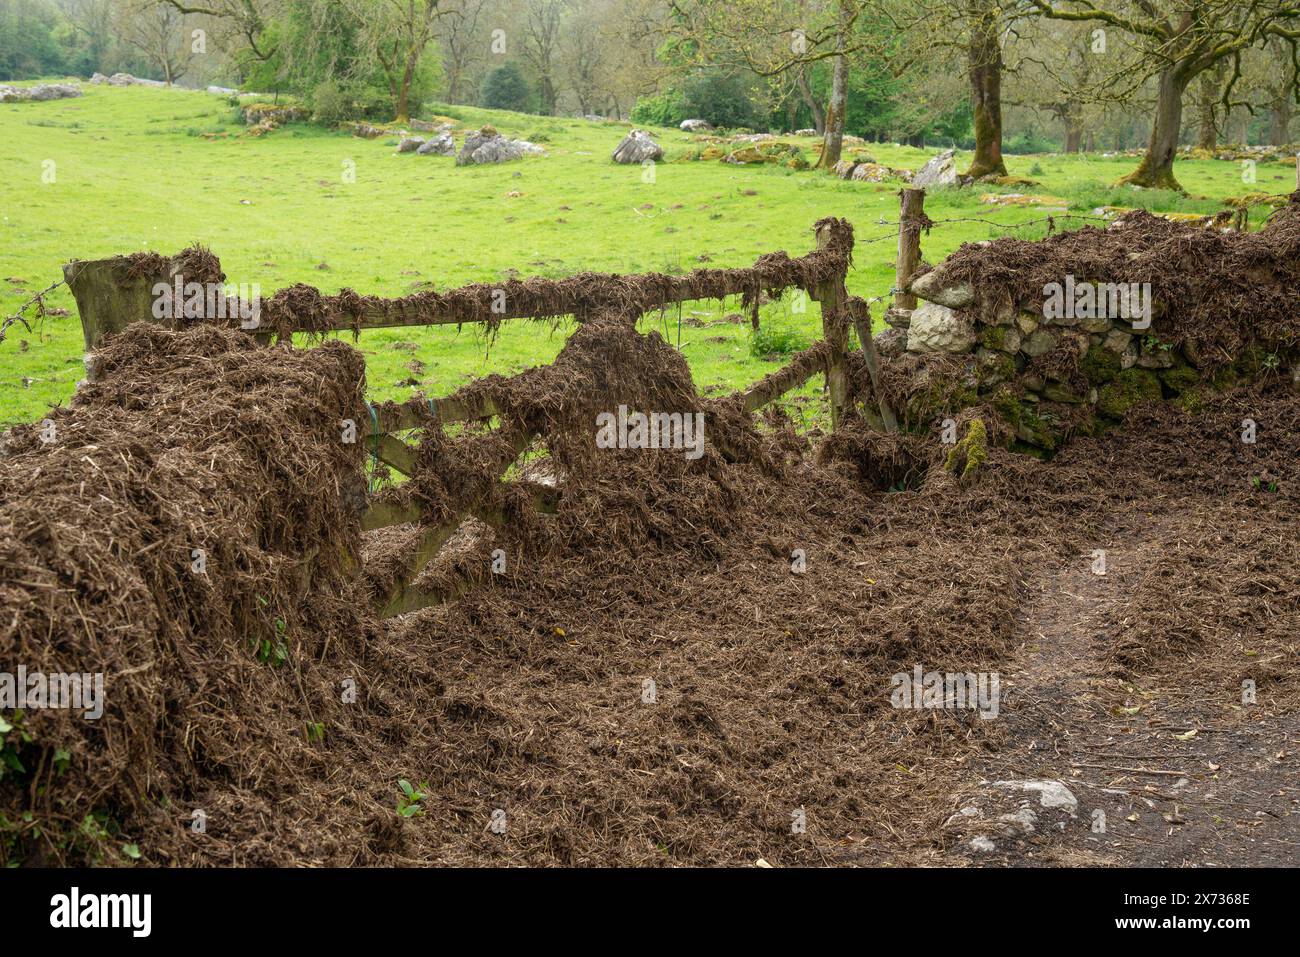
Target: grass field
{"x": 131, "y": 171}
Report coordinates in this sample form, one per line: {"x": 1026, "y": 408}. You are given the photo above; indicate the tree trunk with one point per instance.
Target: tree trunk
{"x": 1208, "y": 137}
{"x": 1280, "y": 112}
{"x": 1073, "y": 118}
{"x": 1156, "y": 171}
{"x": 1210, "y": 85}
{"x": 546, "y": 90}
{"x": 404, "y": 101}
{"x": 454, "y": 73}
{"x": 806, "y": 94}
{"x": 833, "y": 139}
{"x": 984, "y": 55}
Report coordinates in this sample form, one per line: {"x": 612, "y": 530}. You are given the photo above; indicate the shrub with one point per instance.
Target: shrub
{"x": 334, "y": 101}
{"x": 722, "y": 100}
{"x": 768, "y": 340}
{"x": 665, "y": 109}
{"x": 505, "y": 88}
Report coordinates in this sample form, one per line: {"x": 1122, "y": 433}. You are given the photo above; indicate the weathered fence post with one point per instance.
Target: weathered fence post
{"x": 911, "y": 219}
{"x": 108, "y": 297}
{"x": 862, "y": 323}
{"x": 833, "y": 297}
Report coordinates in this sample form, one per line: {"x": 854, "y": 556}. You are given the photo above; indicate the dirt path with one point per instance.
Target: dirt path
{"x": 1148, "y": 791}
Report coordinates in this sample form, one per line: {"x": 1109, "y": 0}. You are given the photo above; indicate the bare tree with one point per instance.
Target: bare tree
{"x": 247, "y": 19}
{"x": 1181, "y": 39}
{"x": 158, "y": 33}
{"x": 771, "y": 38}
{"x": 540, "y": 46}
{"x": 462, "y": 44}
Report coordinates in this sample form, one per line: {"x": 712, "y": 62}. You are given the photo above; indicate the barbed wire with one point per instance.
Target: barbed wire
{"x": 39, "y": 298}
{"x": 1049, "y": 220}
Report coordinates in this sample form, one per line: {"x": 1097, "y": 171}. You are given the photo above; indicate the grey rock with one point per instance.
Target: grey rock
{"x": 1022, "y": 821}
{"x": 934, "y": 287}
{"x": 1039, "y": 343}
{"x": 126, "y": 79}
{"x": 898, "y": 318}
{"x": 1003, "y": 338}
{"x": 489, "y": 146}
{"x": 38, "y": 93}
{"x": 1155, "y": 358}
{"x": 941, "y": 170}
{"x": 440, "y": 145}
{"x": 1051, "y": 794}
{"x": 936, "y": 328}
{"x": 1005, "y": 314}
{"x": 992, "y": 367}
{"x": 638, "y": 147}
{"x": 410, "y": 144}
{"x": 1117, "y": 341}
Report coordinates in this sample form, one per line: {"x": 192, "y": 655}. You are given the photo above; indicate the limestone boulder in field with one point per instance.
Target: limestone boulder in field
{"x": 124, "y": 79}
{"x": 488, "y": 146}
{"x": 638, "y": 147}
{"x": 941, "y": 170}
{"x": 43, "y": 91}
{"x": 440, "y": 145}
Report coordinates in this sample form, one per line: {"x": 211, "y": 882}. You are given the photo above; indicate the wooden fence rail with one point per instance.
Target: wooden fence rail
{"x": 111, "y": 293}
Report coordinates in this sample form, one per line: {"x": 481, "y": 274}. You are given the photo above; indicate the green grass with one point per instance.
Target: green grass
{"x": 132, "y": 172}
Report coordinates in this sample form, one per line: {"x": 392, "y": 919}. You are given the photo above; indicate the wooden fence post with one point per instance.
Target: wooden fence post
{"x": 108, "y": 297}
{"x": 833, "y": 297}
{"x": 862, "y": 323}
{"x": 911, "y": 220}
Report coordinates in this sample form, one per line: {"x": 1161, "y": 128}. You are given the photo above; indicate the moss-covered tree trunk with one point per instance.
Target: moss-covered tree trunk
{"x": 1209, "y": 88}
{"x": 1072, "y": 116}
{"x": 1156, "y": 171}
{"x": 1279, "y": 120}
{"x": 984, "y": 54}
{"x": 833, "y": 139}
